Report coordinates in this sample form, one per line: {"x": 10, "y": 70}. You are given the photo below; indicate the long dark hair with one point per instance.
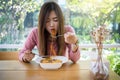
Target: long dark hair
{"x": 43, "y": 33}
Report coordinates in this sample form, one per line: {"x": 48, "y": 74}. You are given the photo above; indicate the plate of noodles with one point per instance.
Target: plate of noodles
{"x": 51, "y": 62}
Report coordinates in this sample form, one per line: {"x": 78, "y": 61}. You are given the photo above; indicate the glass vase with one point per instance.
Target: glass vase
{"x": 99, "y": 69}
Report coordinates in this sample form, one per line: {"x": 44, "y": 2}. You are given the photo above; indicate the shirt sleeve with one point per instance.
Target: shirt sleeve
{"x": 29, "y": 44}
{"x": 73, "y": 56}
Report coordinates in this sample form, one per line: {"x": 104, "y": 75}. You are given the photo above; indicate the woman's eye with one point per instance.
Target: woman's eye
{"x": 55, "y": 20}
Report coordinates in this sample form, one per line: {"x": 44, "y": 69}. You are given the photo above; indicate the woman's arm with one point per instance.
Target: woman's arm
{"x": 29, "y": 44}
{"x": 74, "y": 55}
{"x": 73, "y": 47}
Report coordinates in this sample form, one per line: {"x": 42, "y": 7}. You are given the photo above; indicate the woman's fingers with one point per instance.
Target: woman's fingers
{"x": 70, "y": 38}
{"x": 28, "y": 56}
{"x": 26, "y": 61}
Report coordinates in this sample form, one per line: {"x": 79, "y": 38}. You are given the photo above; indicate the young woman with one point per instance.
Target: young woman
{"x": 63, "y": 42}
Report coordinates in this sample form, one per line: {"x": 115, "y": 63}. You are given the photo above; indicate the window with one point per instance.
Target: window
{"x": 17, "y": 18}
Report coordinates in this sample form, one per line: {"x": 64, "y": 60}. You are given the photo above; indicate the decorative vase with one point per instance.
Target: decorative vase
{"x": 99, "y": 68}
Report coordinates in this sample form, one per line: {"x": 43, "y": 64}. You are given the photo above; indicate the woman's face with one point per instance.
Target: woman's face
{"x": 52, "y": 22}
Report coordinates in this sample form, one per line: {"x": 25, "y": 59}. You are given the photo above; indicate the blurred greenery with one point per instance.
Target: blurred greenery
{"x": 114, "y": 62}
{"x": 83, "y": 15}
{"x": 98, "y": 11}
{"x": 88, "y": 14}
{"x": 12, "y": 16}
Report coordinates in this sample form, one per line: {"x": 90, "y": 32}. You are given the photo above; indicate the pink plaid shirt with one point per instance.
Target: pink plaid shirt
{"x": 32, "y": 41}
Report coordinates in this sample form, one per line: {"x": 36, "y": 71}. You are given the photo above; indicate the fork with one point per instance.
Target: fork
{"x": 56, "y": 36}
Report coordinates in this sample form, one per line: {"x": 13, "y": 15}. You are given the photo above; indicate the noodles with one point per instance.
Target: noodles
{"x": 53, "y": 32}
{"x": 52, "y": 51}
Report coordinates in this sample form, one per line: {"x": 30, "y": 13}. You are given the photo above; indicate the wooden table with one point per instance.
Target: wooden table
{"x": 16, "y": 70}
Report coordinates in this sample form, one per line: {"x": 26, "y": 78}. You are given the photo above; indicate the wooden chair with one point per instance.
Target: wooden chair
{"x": 8, "y": 55}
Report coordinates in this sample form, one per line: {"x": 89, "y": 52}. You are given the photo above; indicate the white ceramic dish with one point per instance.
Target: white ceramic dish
{"x": 51, "y": 65}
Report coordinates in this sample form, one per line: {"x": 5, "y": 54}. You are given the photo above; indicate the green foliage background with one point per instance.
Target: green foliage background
{"x": 89, "y": 14}
{"x": 12, "y": 16}
{"x": 83, "y": 15}
{"x": 114, "y": 62}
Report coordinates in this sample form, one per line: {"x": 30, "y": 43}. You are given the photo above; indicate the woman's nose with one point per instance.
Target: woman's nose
{"x": 51, "y": 23}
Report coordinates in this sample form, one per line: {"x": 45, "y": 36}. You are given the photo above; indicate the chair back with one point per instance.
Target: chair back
{"x": 8, "y": 55}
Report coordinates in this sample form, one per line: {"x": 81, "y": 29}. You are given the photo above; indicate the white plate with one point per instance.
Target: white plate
{"x": 51, "y": 65}
{"x": 64, "y": 59}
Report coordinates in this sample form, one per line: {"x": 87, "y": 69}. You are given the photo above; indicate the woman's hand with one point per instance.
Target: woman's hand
{"x": 70, "y": 38}
{"x": 28, "y": 56}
